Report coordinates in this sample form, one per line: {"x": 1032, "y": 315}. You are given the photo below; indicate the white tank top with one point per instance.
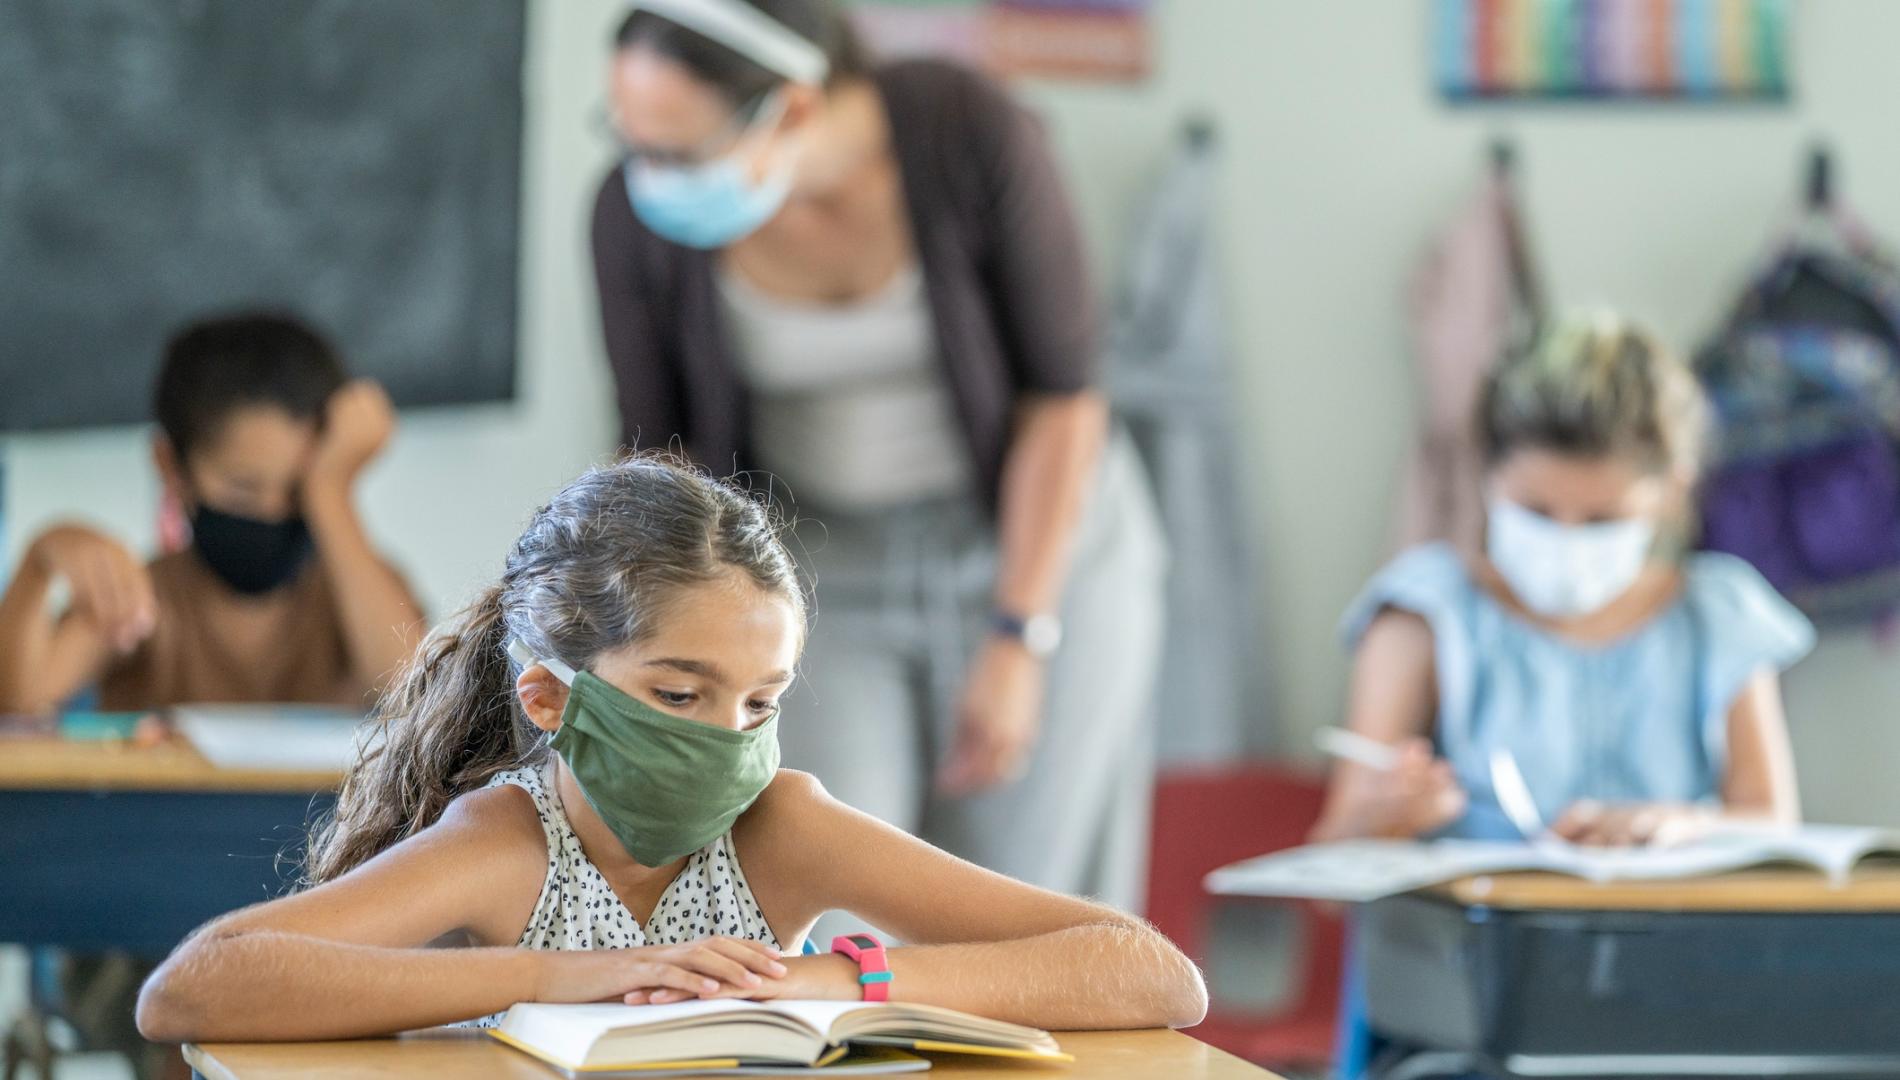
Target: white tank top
{"x": 850, "y": 406}
{"x": 577, "y": 909}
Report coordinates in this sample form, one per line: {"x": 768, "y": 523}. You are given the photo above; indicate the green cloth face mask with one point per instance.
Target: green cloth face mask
{"x": 665, "y": 785}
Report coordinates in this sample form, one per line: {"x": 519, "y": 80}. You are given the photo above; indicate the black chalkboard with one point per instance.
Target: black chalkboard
{"x": 355, "y": 161}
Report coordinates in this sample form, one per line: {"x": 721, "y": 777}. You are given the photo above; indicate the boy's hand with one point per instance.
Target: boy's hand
{"x": 357, "y": 422}
{"x": 110, "y": 587}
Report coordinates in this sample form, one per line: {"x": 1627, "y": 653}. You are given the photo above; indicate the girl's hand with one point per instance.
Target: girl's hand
{"x": 829, "y": 977}
{"x": 709, "y": 967}
{"x": 1418, "y": 795}
{"x": 1595, "y": 824}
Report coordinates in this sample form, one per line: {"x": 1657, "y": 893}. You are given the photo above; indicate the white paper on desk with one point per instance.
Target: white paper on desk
{"x": 1357, "y": 871}
{"x": 291, "y": 738}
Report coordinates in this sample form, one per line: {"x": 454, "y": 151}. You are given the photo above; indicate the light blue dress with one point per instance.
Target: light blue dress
{"x": 1641, "y": 718}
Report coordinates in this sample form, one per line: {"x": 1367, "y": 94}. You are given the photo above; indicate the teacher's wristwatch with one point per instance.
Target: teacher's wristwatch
{"x": 1040, "y": 634}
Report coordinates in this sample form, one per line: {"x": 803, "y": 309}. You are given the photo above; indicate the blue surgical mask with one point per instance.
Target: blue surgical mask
{"x": 1562, "y": 571}
{"x": 709, "y": 205}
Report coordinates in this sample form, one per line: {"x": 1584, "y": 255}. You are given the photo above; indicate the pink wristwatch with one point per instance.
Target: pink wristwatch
{"x": 874, "y": 969}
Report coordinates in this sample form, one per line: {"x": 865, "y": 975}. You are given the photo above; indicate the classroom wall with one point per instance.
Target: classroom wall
{"x": 1340, "y": 162}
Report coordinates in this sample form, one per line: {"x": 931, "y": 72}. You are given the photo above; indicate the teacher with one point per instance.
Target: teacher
{"x": 866, "y": 282}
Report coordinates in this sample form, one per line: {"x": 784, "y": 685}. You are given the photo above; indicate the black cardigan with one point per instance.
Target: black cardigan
{"x": 997, "y": 241}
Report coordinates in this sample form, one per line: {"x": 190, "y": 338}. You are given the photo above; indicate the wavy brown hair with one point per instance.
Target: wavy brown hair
{"x": 593, "y": 572}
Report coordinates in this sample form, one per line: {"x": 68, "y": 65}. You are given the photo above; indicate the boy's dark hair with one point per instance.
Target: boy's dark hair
{"x": 218, "y": 365}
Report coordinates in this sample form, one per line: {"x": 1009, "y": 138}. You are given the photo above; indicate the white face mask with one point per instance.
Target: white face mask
{"x": 1562, "y": 571}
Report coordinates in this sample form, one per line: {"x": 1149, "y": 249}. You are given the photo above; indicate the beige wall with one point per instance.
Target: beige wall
{"x": 1340, "y": 162}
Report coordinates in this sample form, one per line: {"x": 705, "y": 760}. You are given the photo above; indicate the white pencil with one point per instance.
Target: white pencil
{"x": 1357, "y": 748}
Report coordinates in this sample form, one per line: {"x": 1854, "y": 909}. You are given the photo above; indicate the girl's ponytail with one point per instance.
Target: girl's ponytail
{"x": 445, "y": 726}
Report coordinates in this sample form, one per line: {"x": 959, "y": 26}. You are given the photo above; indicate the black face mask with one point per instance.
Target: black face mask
{"x": 251, "y": 556}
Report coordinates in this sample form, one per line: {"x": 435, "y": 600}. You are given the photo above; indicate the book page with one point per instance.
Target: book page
{"x": 847, "y": 1021}
{"x": 626, "y": 1036}
{"x": 1356, "y": 871}
{"x": 1700, "y": 859}
{"x": 1833, "y": 849}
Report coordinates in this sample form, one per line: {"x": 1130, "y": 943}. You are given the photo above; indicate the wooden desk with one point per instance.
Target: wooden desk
{"x": 54, "y": 764}
{"x": 110, "y": 846}
{"x": 1873, "y": 889}
{"x": 1099, "y": 1055}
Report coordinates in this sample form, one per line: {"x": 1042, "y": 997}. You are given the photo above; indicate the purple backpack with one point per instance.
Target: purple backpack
{"x": 1805, "y": 380}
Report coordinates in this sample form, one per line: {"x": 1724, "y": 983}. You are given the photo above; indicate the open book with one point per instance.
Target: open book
{"x": 1361, "y": 870}
{"x": 735, "y": 1035}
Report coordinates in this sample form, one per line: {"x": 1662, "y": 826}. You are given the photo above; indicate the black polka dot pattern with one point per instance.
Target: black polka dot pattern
{"x": 577, "y": 909}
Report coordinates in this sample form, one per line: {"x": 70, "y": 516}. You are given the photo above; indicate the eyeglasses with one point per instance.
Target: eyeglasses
{"x": 717, "y": 145}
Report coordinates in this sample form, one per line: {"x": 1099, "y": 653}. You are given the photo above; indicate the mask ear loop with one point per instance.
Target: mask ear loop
{"x": 519, "y": 652}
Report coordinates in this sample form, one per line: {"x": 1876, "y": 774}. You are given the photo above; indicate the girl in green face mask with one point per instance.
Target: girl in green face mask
{"x": 574, "y": 795}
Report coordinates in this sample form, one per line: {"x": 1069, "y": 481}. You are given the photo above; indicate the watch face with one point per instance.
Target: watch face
{"x": 1043, "y": 634}
{"x": 864, "y": 942}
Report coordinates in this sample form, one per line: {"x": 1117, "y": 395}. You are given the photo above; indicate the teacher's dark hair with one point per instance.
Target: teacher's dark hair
{"x": 742, "y": 81}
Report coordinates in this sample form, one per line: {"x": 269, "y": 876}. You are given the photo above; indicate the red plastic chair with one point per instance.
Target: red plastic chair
{"x": 1206, "y": 819}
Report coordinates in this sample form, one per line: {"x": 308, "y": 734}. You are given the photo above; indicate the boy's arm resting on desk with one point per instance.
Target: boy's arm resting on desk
{"x": 351, "y": 957}
{"x": 50, "y": 656}
{"x": 382, "y": 622}
{"x": 975, "y": 940}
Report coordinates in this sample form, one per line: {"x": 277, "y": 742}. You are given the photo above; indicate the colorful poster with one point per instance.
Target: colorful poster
{"x": 1092, "y": 40}
{"x": 1639, "y": 49}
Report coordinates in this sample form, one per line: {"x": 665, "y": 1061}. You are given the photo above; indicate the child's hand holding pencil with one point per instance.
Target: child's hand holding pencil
{"x": 1402, "y": 789}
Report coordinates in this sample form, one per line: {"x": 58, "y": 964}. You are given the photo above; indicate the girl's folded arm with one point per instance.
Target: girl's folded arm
{"x": 350, "y": 956}
{"x": 975, "y": 940}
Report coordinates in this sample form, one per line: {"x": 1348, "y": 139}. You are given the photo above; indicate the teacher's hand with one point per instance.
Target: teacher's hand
{"x": 998, "y": 718}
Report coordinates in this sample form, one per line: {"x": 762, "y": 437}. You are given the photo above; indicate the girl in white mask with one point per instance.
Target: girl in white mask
{"x": 1635, "y": 685}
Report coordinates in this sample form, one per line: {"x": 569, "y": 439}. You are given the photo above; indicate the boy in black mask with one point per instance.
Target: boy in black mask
{"x": 279, "y": 596}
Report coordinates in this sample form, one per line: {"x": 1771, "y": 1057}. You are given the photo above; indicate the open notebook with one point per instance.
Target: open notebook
{"x": 705, "y": 1036}
{"x": 1362, "y": 870}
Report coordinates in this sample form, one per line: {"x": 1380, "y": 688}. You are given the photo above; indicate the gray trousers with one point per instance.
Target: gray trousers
{"x": 903, "y": 602}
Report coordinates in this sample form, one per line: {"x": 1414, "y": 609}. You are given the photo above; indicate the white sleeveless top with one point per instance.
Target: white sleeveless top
{"x": 577, "y": 909}
{"x": 850, "y": 406}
